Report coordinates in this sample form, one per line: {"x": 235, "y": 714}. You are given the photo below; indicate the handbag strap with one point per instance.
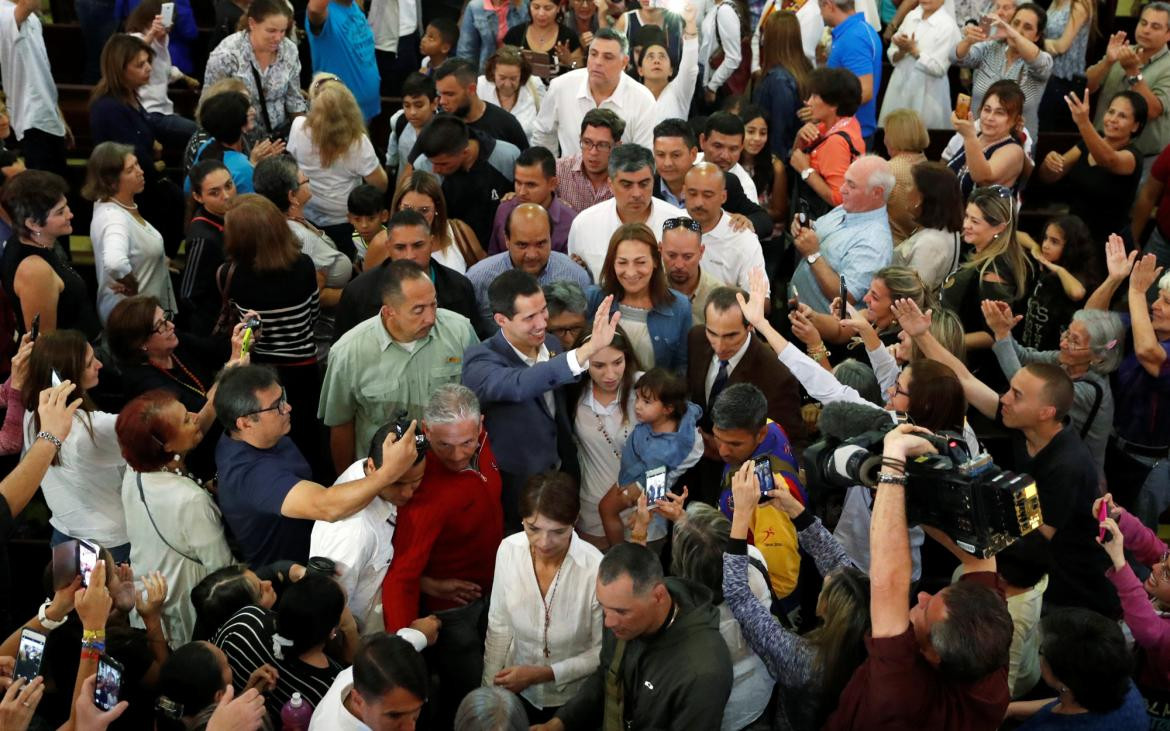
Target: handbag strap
{"x": 1098, "y": 395}
{"x": 142, "y": 497}
{"x": 209, "y": 221}
{"x": 260, "y": 93}
{"x": 227, "y": 285}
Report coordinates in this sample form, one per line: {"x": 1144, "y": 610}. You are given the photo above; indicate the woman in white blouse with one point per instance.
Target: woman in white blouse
{"x": 508, "y": 83}
{"x": 672, "y": 88}
{"x": 83, "y": 487}
{"x": 921, "y": 53}
{"x": 602, "y": 422}
{"x": 331, "y": 146}
{"x": 544, "y": 623}
{"x": 173, "y": 523}
{"x": 128, "y": 252}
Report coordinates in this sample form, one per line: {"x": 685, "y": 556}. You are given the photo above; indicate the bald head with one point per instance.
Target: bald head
{"x": 868, "y": 183}
{"x": 528, "y": 232}
{"x": 706, "y": 192}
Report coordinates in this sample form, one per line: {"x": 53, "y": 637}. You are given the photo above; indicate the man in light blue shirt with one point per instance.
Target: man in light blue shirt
{"x": 852, "y": 241}
{"x": 858, "y": 48}
{"x": 528, "y": 234}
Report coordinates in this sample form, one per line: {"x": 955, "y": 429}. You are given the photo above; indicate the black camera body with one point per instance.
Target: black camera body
{"x": 402, "y": 423}
{"x": 983, "y": 508}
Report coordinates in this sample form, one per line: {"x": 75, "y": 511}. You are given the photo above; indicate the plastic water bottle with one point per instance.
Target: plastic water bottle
{"x": 295, "y": 714}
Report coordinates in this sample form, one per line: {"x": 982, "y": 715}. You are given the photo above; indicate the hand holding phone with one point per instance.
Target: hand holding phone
{"x": 29, "y": 655}
{"x": 844, "y": 299}
{"x": 109, "y": 683}
{"x": 168, "y": 14}
{"x": 963, "y": 106}
{"x": 655, "y": 485}
{"x": 87, "y": 558}
{"x": 763, "y": 469}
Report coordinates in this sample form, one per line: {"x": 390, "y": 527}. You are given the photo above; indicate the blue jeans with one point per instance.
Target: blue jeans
{"x": 97, "y": 25}
{"x": 120, "y": 553}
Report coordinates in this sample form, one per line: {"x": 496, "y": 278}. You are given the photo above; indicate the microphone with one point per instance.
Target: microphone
{"x": 845, "y": 419}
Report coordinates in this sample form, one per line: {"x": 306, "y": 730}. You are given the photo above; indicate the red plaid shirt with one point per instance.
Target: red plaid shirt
{"x": 574, "y": 188}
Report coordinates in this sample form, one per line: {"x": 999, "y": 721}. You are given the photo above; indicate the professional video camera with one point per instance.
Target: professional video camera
{"x": 983, "y": 508}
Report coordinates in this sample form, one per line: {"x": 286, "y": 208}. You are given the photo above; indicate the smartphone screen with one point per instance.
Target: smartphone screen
{"x": 87, "y": 556}
{"x": 168, "y": 14}
{"x": 109, "y": 683}
{"x": 844, "y": 299}
{"x": 763, "y": 468}
{"x": 28, "y": 657}
{"x": 655, "y": 484}
{"x": 54, "y": 377}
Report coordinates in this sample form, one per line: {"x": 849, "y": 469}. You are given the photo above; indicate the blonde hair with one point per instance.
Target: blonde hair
{"x": 334, "y": 120}
{"x": 998, "y": 209}
{"x": 905, "y": 131}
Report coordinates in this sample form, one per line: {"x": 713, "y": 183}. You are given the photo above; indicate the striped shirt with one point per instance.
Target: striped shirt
{"x": 286, "y": 301}
{"x": 246, "y": 639}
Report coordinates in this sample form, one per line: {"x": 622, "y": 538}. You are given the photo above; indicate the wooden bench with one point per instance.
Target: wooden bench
{"x": 66, "y": 45}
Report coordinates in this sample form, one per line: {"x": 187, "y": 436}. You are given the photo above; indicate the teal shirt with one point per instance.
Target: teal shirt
{"x": 371, "y": 377}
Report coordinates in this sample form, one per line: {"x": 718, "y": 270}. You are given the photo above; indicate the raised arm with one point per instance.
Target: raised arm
{"x": 1118, "y": 162}
{"x": 1150, "y": 353}
{"x": 56, "y": 412}
{"x": 318, "y": 12}
{"x": 1119, "y": 265}
{"x": 917, "y": 325}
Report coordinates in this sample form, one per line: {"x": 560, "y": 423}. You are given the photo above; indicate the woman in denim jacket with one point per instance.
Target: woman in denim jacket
{"x": 480, "y": 31}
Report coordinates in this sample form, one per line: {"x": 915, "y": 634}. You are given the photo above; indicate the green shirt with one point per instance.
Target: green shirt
{"x": 371, "y": 377}
{"x": 1156, "y": 74}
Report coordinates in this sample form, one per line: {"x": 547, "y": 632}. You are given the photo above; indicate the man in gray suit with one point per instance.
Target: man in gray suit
{"x": 517, "y": 374}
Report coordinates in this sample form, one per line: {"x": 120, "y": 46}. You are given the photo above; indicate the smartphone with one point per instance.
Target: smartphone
{"x": 963, "y": 106}
{"x": 54, "y": 377}
{"x": 109, "y": 683}
{"x": 844, "y": 299}
{"x": 985, "y": 25}
{"x": 35, "y": 330}
{"x": 802, "y": 212}
{"x": 87, "y": 558}
{"x": 763, "y": 468}
{"x": 655, "y": 485}
{"x": 168, "y": 14}
{"x": 28, "y": 657}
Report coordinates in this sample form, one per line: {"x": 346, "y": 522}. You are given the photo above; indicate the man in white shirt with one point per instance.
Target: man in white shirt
{"x": 396, "y": 35}
{"x": 603, "y": 83}
{"x": 384, "y": 690}
{"x": 631, "y": 176}
{"x": 362, "y": 545}
{"x": 722, "y": 143}
{"x": 32, "y": 93}
{"x": 729, "y": 255}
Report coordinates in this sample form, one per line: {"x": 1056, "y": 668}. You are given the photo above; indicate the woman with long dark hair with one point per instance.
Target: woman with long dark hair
{"x": 782, "y": 88}
{"x": 656, "y": 319}
{"x": 935, "y": 204}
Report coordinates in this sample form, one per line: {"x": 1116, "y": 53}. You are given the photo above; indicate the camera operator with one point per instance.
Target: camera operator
{"x": 445, "y": 544}
{"x": 361, "y": 546}
{"x": 942, "y": 663}
{"x": 1033, "y": 409}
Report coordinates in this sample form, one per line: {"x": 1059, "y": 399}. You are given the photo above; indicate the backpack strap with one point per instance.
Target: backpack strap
{"x": 1099, "y": 394}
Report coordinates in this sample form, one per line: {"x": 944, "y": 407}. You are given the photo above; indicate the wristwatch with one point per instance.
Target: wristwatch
{"x": 804, "y": 174}
{"x": 812, "y": 258}
{"x": 47, "y": 623}
{"x": 1134, "y": 80}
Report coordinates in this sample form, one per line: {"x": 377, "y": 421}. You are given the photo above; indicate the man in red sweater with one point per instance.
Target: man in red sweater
{"x": 445, "y": 543}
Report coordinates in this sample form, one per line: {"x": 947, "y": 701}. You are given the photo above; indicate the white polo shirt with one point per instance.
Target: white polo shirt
{"x": 569, "y": 99}
{"x": 27, "y": 76}
{"x": 592, "y": 228}
{"x": 731, "y": 255}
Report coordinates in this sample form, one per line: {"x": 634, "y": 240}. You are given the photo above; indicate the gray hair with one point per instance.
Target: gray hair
{"x": 1106, "y": 335}
{"x": 740, "y": 406}
{"x": 235, "y": 393}
{"x": 1164, "y": 283}
{"x": 699, "y": 543}
{"x": 630, "y": 158}
{"x": 451, "y": 403}
{"x": 564, "y": 296}
{"x": 491, "y": 709}
{"x": 1159, "y": 6}
{"x": 859, "y": 377}
{"x": 880, "y": 175}
{"x": 609, "y": 34}
{"x": 275, "y": 178}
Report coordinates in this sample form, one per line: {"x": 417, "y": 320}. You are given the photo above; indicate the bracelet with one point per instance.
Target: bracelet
{"x": 91, "y": 653}
{"x": 93, "y": 634}
{"x": 49, "y": 624}
{"x": 892, "y": 478}
{"x": 49, "y": 438}
{"x": 818, "y": 353}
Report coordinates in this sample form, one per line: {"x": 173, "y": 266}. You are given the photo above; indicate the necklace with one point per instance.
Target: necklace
{"x": 198, "y": 388}
{"x": 182, "y": 473}
{"x": 601, "y": 428}
{"x": 547, "y": 603}
{"x": 131, "y": 207}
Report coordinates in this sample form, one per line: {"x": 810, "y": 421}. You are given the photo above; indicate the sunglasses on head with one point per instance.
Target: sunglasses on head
{"x": 682, "y": 222}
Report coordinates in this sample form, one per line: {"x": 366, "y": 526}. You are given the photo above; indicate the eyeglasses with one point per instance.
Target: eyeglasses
{"x": 1066, "y": 337}
{"x": 682, "y": 222}
{"x": 279, "y": 406}
{"x": 599, "y": 146}
{"x": 896, "y": 390}
{"x": 423, "y": 211}
{"x": 562, "y": 333}
{"x": 168, "y": 318}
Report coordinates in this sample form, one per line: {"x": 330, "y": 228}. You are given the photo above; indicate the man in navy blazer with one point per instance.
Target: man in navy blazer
{"x": 518, "y": 374}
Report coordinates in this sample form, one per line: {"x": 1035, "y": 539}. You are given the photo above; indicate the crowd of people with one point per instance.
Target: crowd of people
{"x": 473, "y": 367}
